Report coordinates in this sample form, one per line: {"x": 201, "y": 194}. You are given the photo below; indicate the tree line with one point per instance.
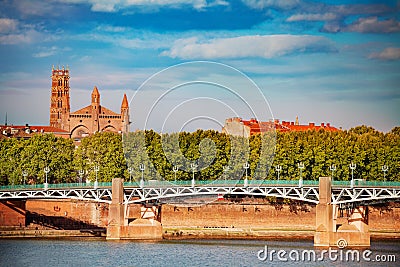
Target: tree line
{"x": 204, "y": 154}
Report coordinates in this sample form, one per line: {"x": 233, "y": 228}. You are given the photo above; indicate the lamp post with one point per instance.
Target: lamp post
{"x": 130, "y": 170}
{"x": 193, "y": 166}
{"x": 24, "y": 174}
{"x": 352, "y": 166}
{"x": 385, "y": 168}
{"x": 81, "y": 173}
{"x": 46, "y": 171}
{"x": 175, "y": 170}
{"x": 278, "y": 169}
{"x": 246, "y": 182}
{"x": 226, "y": 169}
{"x": 300, "y": 165}
{"x": 332, "y": 168}
{"x": 96, "y": 169}
{"x": 142, "y": 167}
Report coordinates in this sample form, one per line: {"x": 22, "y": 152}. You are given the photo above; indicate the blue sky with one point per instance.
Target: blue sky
{"x": 323, "y": 61}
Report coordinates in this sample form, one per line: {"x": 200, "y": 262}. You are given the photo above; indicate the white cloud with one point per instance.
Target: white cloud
{"x": 390, "y": 53}
{"x": 373, "y": 25}
{"x": 109, "y": 28}
{"x": 49, "y": 51}
{"x": 366, "y": 25}
{"x": 116, "y": 5}
{"x": 261, "y": 4}
{"x": 12, "y": 32}
{"x": 265, "y": 46}
{"x": 7, "y": 25}
{"x": 26, "y": 36}
{"x": 312, "y": 17}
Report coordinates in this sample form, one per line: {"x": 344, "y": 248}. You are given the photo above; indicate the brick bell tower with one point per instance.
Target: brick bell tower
{"x": 59, "y": 106}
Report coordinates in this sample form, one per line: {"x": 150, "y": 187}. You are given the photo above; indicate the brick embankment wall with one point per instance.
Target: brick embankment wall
{"x": 248, "y": 214}
{"x": 385, "y": 218}
{"x": 66, "y": 214}
{"x": 12, "y": 213}
{"x": 267, "y": 216}
{"x": 244, "y": 215}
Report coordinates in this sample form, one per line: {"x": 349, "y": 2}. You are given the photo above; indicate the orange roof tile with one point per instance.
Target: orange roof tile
{"x": 260, "y": 126}
{"x": 33, "y": 128}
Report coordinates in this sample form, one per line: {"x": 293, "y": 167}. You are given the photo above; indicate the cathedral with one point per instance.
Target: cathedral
{"x": 85, "y": 121}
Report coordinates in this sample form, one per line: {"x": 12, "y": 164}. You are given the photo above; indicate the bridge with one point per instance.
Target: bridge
{"x": 330, "y": 198}
{"x": 363, "y": 192}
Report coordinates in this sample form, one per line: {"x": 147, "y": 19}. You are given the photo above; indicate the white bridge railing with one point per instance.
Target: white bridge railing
{"x": 340, "y": 195}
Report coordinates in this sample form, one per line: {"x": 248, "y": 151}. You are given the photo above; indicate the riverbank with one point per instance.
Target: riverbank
{"x": 240, "y": 233}
{"x": 190, "y": 233}
{"x": 50, "y": 233}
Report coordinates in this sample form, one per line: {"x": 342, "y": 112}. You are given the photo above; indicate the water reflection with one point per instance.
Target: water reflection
{"x": 95, "y": 252}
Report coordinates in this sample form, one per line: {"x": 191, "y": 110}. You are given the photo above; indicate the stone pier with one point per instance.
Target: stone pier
{"x": 146, "y": 227}
{"x": 328, "y": 233}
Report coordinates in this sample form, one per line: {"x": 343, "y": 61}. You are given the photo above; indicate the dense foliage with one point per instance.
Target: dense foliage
{"x": 211, "y": 151}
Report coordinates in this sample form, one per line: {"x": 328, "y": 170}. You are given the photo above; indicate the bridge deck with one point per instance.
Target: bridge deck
{"x": 165, "y": 192}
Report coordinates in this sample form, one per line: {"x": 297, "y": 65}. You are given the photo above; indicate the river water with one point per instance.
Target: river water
{"x": 96, "y": 252}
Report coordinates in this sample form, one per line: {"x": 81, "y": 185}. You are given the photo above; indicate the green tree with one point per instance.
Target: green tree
{"x": 103, "y": 150}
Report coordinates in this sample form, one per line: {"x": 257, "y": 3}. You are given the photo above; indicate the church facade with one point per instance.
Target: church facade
{"x": 85, "y": 121}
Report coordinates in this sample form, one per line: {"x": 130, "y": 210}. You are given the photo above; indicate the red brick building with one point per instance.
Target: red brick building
{"x": 25, "y": 132}
{"x": 239, "y": 127}
{"x": 85, "y": 121}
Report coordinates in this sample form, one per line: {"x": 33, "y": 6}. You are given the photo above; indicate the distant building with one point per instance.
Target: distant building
{"x": 25, "y": 132}
{"x": 239, "y": 127}
{"x": 85, "y": 121}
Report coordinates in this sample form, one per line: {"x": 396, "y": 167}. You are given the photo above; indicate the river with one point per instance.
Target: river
{"x": 96, "y": 252}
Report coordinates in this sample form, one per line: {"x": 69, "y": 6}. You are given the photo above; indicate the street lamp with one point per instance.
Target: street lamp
{"x": 130, "y": 170}
{"x": 333, "y": 169}
{"x": 46, "y": 171}
{"x": 300, "y": 165}
{"x": 193, "y": 166}
{"x": 226, "y": 169}
{"x": 385, "y": 168}
{"x": 142, "y": 167}
{"x": 175, "y": 169}
{"x": 246, "y": 182}
{"x": 352, "y": 166}
{"x": 81, "y": 173}
{"x": 278, "y": 169}
{"x": 25, "y": 174}
{"x": 96, "y": 170}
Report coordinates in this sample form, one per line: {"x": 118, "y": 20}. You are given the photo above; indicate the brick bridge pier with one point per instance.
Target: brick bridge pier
{"x": 147, "y": 227}
{"x": 330, "y": 234}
